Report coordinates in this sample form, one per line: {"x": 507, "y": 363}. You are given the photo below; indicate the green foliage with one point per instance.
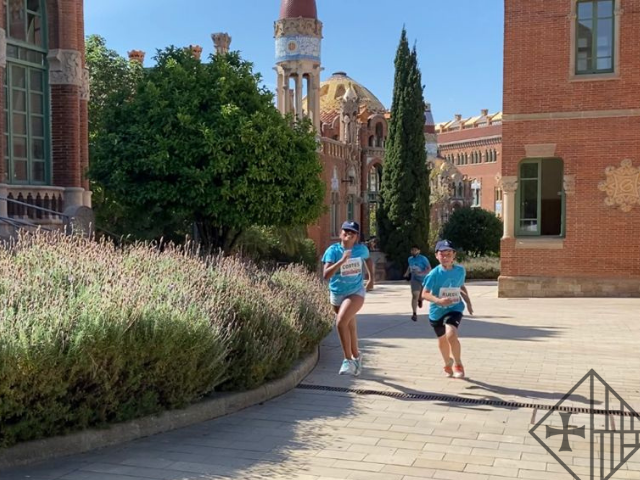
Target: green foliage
{"x": 278, "y": 245}
{"x": 403, "y": 215}
{"x": 113, "y": 79}
{"x": 91, "y": 335}
{"x": 202, "y": 144}
{"x": 474, "y": 231}
{"x": 482, "y": 268}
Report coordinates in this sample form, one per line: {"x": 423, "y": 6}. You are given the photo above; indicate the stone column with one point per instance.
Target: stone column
{"x": 509, "y": 186}
{"x": 298, "y": 108}
{"x": 66, "y": 75}
{"x": 280, "y": 96}
{"x": 3, "y": 65}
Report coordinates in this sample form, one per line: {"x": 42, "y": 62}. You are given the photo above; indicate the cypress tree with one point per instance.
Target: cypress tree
{"x": 403, "y": 214}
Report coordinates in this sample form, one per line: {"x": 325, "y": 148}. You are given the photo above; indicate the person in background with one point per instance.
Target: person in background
{"x": 418, "y": 268}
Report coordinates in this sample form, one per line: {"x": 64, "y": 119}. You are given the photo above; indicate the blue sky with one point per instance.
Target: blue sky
{"x": 459, "y": 41}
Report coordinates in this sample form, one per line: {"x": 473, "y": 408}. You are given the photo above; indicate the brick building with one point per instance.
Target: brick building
{"x": 571, "y": 148}
{"x": 44, "y": 154}
{"x": 352, "y": 123}
{"x": 474, "y": 147}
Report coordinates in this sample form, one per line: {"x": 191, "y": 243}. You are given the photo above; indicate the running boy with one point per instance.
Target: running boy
{"x": 444, "y": 288}
{"x": 418, "y": 268}
{"x": 343, "y": 265}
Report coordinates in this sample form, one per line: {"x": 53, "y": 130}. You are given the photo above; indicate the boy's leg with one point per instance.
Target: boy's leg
{"x": 454, "y": 343}
{"x": 415, "y": 294}
{"x": 443, "y": 345}
{"x": 452, "y": 322}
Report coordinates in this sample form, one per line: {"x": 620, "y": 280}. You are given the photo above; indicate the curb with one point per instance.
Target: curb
{"x": 222, "y": 404}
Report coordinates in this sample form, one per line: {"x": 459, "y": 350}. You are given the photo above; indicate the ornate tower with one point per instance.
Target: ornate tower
{"x": 298, "y": 35}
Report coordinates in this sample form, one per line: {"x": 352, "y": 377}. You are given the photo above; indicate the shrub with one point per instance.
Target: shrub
{"x": 474, "y": 230}
{"x": 91, "y": 335}
{"x": 482, "y": 268}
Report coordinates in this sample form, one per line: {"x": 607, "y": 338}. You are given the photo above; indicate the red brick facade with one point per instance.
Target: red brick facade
{"x": 475, "y": 149}
{"x": 66, "y": 98}
{"x": 592, "y": 124}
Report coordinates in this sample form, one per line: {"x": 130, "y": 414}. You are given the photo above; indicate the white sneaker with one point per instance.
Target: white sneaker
{"x": 358, "y": 363}
{"x": 348, "y": 367}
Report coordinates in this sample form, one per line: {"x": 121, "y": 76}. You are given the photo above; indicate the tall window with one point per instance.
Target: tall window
{"x": 350, "y": 208}
{"x": 594, "y": 36}
{"x": 335, "y": 220}
{"x": 26, "y": 94}
{"x": 540, "y": 198}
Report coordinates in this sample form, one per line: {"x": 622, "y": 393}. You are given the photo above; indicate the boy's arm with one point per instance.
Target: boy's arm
{"x": 430, "y": 297}
{"x": 467, "y": 299}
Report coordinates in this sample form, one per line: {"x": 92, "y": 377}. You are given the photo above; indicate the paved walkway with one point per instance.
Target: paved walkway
{"x": 528, "y": 351}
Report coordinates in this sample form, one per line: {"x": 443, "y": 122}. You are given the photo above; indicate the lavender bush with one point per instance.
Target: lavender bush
{"x": 91, "y": 334}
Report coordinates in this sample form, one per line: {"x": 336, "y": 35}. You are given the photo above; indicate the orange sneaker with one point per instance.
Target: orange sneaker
{"x": 458, "y": 371}
{"x": 448, "y": 371}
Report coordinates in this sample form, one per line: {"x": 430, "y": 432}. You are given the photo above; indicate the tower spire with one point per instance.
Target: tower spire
{"x": 298, "y": 34}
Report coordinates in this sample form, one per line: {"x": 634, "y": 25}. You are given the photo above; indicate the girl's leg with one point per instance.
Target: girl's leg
{"x": 346, "y": 316}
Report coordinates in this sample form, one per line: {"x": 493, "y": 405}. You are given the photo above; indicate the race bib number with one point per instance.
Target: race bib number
{"x": 451, "y": 292}
{"x": 351, "y": 268}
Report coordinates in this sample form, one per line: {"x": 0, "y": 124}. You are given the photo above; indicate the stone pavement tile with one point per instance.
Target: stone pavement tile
{"x": 439, "y": 464}
{"x": 403, "y": 460}
{"x": 443, "y": 448}
{"x": 465, "y": 442}
{"x": 341, "y": 455}
{"x": 356, "y": 440}
{"x": 418, "y": 472}
{"x": 469, "y": 459}
{"x": 406, "y": 444}
{"x": 359, "y": 466}
{"x": 491, "y": 470}
{"x": 459, "y": 476}
{"x": 145, "y": 472}
{"x": 99, "y": 476}
{"x": 497, "y": 453}
{"x": 373, "y": 449}
{"x": 511, "y": 463}
{"x": 543, "y": 475}
{"x": 382, "y": 434}
{"x": 373, "y": 476}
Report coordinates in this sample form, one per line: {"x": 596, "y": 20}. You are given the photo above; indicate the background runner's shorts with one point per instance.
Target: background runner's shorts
{"x": 336, "y": 300}
{"x": 451, "y": 318}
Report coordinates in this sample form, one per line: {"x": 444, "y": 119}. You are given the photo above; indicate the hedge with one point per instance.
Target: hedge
{"x": 91, "y": 334}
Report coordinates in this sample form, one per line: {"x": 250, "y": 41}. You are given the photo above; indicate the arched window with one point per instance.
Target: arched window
{"x": 26, "y": 94}
{"x": 379, "y": 135}
{"x": 375, "y": 178}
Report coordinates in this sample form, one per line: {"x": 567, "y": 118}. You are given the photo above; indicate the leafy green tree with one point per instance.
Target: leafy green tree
{"x": 403, "y": 216}
{"x": 111, "y": 77}
{"x": 474, "y": 230}
{"x": 200, "y": 148}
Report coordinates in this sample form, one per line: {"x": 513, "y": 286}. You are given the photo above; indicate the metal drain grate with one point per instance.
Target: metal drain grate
{"x": 467, "y": 401}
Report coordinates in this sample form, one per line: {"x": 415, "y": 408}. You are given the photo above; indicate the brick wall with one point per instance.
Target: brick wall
{"x": 479, "y": 139}
{"x": 601, "y": 241}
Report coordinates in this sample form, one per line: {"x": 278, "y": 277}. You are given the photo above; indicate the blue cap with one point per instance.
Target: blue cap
{"x": 351, "y": 225}
{"x": 444, "y": 245}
